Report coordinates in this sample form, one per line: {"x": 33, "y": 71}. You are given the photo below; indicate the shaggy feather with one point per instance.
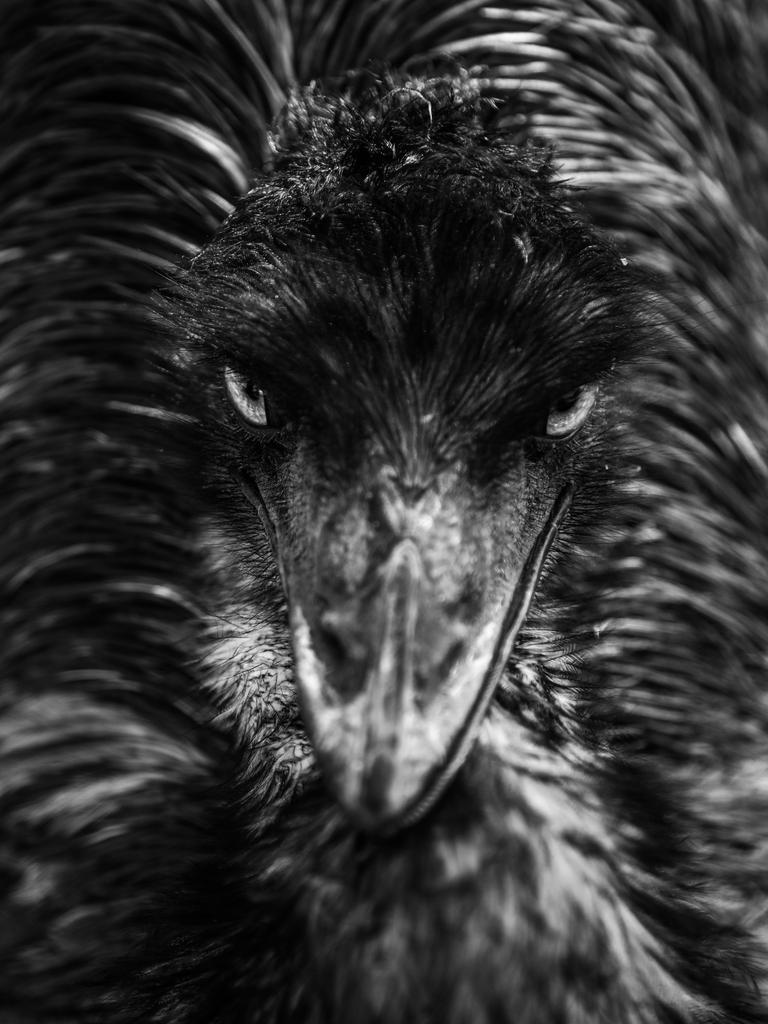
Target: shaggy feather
{"x": 167, "y": 851}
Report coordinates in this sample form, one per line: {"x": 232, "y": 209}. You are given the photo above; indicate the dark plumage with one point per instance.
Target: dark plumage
{"x": 434, "y": 426}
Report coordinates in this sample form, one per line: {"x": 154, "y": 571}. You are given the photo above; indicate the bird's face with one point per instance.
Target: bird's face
{"x": 407, "y": 386}
{"x": 406, "y": 587}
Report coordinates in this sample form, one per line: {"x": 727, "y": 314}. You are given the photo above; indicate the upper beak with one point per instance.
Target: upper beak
{"x": 394, "y": 680}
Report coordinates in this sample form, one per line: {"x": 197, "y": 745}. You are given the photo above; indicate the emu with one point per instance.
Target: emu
{"x": 386, "y": 556}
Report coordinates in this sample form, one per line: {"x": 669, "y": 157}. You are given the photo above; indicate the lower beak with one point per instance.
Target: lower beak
{"x": 394, "y": 687}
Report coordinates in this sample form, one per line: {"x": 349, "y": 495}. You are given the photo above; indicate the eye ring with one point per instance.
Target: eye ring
{"x": 564, "y": 423}
{"x": 249, "y": 403}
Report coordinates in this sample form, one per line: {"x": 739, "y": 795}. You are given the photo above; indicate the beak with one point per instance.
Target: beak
{"x": 394, "y": 680}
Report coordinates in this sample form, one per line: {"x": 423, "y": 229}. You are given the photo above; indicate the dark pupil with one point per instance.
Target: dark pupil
{"x": 256, "y": 394}
{"x": 272, "y": 414}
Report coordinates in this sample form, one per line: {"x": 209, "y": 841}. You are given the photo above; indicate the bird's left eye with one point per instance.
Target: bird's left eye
{"x": 249, "y": 402}
{"x": 571, "y": 412}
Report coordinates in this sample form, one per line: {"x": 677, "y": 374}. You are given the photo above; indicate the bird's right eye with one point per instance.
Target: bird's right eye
{"x": 249, "y": 402}
{"x": 571, "y": 413}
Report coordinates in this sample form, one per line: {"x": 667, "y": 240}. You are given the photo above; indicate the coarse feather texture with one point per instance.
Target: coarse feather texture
{"x": 167, "y": 852}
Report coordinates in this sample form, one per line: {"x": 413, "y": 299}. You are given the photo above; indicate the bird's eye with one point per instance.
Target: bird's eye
{"x": 249, "y": 402}
{"x": 571, "y": 412}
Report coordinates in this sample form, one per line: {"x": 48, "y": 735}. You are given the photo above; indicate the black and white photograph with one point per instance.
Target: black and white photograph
{"x": 383, "y": 511}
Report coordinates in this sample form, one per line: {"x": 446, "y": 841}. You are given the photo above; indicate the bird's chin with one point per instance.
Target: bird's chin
{"x": 389, "y": 746}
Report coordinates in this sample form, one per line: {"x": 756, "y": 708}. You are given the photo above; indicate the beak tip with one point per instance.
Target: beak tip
{"x": 378, "y": 781}
{"x": 377, "y": 797}
{"x": 370, "y": 797}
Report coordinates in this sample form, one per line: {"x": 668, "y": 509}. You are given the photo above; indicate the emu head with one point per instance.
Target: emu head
{"x": 406, "y": 344}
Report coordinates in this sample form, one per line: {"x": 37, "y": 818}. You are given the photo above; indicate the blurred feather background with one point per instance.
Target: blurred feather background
{"x": 128, "y": 835}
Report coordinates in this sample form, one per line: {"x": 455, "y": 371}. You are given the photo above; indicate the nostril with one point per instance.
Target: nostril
{"x": 452, "y": 653}
{"x": 339, "y": 650}
{"x": 339, "y": 635}
{"x": 333, "y": 645}
{"x": 451, "y": 656}
{"x": 331, "y": 634}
